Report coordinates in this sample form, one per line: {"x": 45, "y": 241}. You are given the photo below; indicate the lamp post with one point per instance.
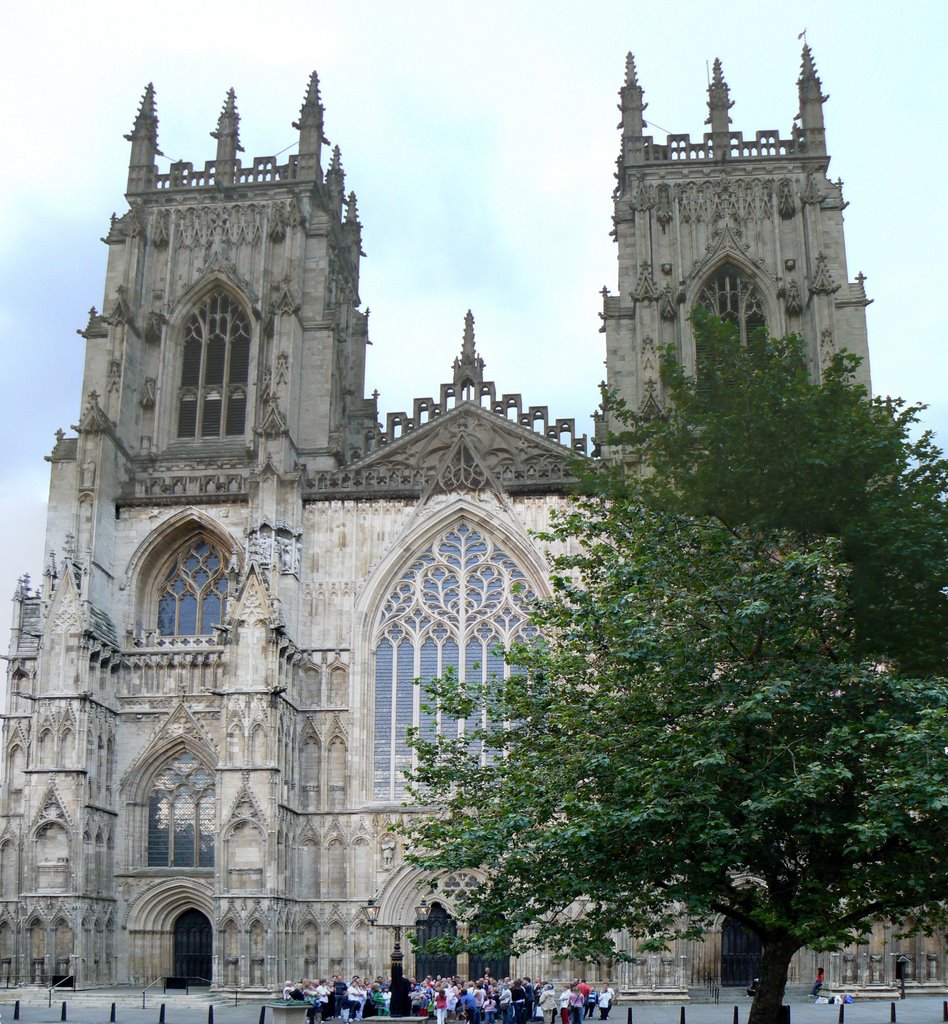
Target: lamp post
{"x": 400, "y": 1005}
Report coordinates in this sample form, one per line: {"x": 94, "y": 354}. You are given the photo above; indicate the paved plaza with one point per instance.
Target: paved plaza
{"x": 84, "y": 1008}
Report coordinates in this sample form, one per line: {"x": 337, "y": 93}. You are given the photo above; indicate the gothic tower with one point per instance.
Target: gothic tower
{"x": 751, "y": 229}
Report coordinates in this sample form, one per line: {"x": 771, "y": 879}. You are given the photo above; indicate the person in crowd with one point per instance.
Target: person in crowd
{"x": 577, "y": 1004}
{"x": 564, "y": 1002}
{"x": 548, "y": 1003}
{"x": 606, "y": 998}
{"x": 490, "y": 1008}
{"x": 292, "y": 991}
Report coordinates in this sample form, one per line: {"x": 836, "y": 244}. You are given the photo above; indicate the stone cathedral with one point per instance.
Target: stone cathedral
{"x": 246, "y": 569}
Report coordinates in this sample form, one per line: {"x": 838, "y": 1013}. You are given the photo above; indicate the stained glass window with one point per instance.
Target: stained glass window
{"x": 193, "y": 594}
{"x": 456, "y": 607}
{"x": 212, "y": 401}
{"x": 181, "y": 816}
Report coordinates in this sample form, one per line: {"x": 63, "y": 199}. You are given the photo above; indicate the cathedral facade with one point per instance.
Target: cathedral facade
{"x": 246, "y": 571}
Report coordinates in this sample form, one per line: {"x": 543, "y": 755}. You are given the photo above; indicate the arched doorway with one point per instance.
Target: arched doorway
{"x": 439, "y": 923}
{"x": 192, "y": 947}
{"x": 480, "y": 966}
{"x": 741, "y": 951}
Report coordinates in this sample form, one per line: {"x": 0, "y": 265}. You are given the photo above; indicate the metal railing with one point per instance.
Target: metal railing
{"x": 68, "y": 981}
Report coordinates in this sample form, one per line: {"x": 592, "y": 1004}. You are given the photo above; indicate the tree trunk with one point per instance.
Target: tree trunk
{"x": 774, "y": 965}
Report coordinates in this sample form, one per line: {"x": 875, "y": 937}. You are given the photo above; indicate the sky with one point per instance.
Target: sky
{"x": 480, "y": 140}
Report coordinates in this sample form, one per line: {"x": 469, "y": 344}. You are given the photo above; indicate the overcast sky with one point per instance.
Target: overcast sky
{"x": 480, "y": 139}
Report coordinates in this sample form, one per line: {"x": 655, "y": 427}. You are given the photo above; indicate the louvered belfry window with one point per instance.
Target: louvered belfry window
{"x": 730, "y": 296}
{"x": 215, "y": 364}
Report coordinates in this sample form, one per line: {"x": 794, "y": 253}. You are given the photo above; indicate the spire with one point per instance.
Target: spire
{"x": 228, "y": 138}
{"x": 811, "y": 105}
{"x": 631, "y": 104}
{"x": 310, "y": 127}
{"x": 144, "y": 140}
{"x": 469, "y": 367}
{"x": 336, "y": 182}
{"x": 719, "y": 103}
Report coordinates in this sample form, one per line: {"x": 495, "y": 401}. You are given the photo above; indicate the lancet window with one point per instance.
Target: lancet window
{"x": 455, "y": 609}
{"x": 731, "y": 296}
{"x": 212, "y": 401}
{"x": 193, "y": 594}
{"x": 181, "y": 815}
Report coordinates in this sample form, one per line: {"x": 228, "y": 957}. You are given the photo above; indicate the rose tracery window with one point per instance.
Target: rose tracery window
{"x": 456, "y": 608}
{"x": 212, "y": 401}
{"x": 193, "y": 594}
{"x": 181, "y": 816}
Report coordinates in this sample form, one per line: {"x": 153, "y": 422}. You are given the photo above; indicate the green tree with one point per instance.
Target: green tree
{"x": 696, "y": 736}
{"x": 736, "y": 707}
{"x": 754, "y": 441}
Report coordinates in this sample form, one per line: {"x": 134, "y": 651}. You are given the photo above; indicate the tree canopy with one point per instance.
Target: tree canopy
{"x": 754, "y": 441}
{"x": 702, "y": 730}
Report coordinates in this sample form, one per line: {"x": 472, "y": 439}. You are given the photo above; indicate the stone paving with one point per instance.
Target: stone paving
{"x": 194, "y": 1009}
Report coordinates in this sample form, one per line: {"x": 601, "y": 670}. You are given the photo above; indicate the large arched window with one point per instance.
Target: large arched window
{"x": 181, "y": 815}
{"x": 455, "y": 608}
{"x": 731, "y": 296}
{"x": 215, "y": 364}
{"x": 192, "y": 596}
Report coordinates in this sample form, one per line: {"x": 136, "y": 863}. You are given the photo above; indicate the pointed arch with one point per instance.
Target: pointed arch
{"x": 209, "y": 357}
{"x": 732, "y": 287}
{"x": 149, "y": 566}
{"x": 420, "y": 626}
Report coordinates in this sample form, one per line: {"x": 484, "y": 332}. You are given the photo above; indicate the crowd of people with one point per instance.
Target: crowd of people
{"x": 485, "y": 1001}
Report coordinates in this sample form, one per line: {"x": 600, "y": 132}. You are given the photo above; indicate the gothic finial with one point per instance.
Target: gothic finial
{"x": 312, "y": 110}
{"x": 352, "y": 210}
{"x": 719, "y": 103}
{"x": 632, "y": 106}
{"x": 469, "y": 366}
{"x": 228, "y": 131}
{"x": 631, "y": 78}
{"x": 811, "y": 105}
{"x": 310, "y": 127}
{"x": 467, "y": 344}
{"x": 144, "y": 140}
{"x": 336, "y": 181}
{"x": 146, "y": 120}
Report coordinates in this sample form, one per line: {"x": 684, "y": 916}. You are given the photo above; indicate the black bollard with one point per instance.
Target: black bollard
{"x": 210, "y": 1014}
{"x": 892, "y": 1012}
{"x": 263, "y": 1015}
{"x": 842, "y": 1013}
{"x": 161, "y": 1014}
{"x": 16, "y": 1010}
{"x": 629, "y": 1020}
{"x": 62, "y": 1015}
{"x": 681, "y": 1016}
{"x": 944, "y": 1010}
{"x": 112, "y": 1014}
{"x": 736, "y": 1021}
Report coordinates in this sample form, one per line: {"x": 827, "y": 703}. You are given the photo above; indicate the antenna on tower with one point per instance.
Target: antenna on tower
{"x": 802, "y": 36}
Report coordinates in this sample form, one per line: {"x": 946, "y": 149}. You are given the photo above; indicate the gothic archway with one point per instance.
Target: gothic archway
{"x": 193, "y": 941}
{"x": 438, "y": 923}
{"x": 741, "y": 952}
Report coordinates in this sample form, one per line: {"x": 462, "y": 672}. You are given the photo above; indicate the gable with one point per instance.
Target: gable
{"x": 466, "y": 449}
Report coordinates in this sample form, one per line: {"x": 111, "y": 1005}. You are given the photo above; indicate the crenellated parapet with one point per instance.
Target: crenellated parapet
{"x": 468, "y": 385}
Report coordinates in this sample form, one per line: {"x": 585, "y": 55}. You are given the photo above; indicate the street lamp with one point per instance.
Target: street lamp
{"x": 400, "y": 1005}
